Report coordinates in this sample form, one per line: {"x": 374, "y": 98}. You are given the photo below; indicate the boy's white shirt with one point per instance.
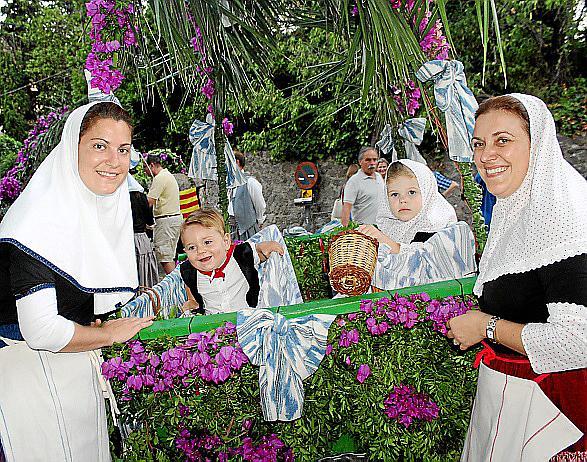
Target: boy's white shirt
{"x": 224, "y": 295}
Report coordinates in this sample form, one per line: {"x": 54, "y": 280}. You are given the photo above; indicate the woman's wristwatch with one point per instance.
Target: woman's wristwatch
{"x": 490, "y": 329}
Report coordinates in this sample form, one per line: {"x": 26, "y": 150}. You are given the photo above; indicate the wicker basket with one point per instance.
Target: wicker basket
{"x": 352, "y": 257}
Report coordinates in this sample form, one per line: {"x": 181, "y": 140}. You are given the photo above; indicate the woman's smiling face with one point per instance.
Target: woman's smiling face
{"x": 104, "y": 155}
{"x": 502, "y": 151}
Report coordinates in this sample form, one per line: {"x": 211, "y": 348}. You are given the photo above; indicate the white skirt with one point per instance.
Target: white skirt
{"x": 513, "y": 420}
{"x": 51, "y": 406}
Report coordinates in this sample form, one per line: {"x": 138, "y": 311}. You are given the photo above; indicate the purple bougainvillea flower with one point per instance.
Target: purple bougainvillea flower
{"x": 363, "y": 373}
{"x": 328, "y": 350}
{"x": 352, "y": 316}
{"x": 134, "y": 382}
{"x": 227, "y": 126}
{"x": 208, "y": 89}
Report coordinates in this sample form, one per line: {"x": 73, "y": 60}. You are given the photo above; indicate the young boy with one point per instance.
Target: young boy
{"x": 220, "y": 276}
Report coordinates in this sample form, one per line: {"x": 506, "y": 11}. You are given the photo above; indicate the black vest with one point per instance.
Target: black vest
{"x": 243, "y": 254}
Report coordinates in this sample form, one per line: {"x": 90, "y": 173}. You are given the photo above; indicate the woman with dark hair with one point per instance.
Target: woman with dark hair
{"x": 531, "y": 401}
{"x": 67, "y": 256}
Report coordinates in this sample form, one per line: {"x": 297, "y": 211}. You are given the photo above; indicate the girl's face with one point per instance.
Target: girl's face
{"x": 104, "y": 155}
{"x": 382, "y": 168}
{"x": 502, "y": 151}
{"x": 405, "y": 198}
{"x": 206, "y": 247}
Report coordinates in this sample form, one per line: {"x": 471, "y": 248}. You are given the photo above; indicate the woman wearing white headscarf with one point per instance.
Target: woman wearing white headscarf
{"x": 531, "y": 401}
{"x": 422, "y": 242}
{"x": 67, "y": 255}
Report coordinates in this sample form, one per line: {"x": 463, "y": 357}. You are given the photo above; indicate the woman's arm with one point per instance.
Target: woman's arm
{"x": 44, "y": 329}
{"x": 105, "y": 334}
{"x": 470, "y": 328}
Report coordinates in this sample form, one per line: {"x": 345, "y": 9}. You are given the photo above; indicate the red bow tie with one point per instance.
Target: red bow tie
{"x": 219, "y": 272}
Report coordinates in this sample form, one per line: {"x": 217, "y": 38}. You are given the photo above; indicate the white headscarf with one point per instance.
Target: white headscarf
{"x": 545, "y": 220}
{"x": 85, "y": 237}
{"x": 435, "y": 215}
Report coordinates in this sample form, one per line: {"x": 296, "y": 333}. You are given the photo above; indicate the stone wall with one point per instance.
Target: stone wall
{"x": 279, "y": 188}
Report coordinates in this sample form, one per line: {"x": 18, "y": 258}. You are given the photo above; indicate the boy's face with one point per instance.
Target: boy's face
{"x": 405, "y": 198}
{"x": 206, "y": 247}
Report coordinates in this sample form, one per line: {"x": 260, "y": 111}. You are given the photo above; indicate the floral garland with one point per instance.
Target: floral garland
{"x": 211, "y": 357}
{"x": 111, "y": 30}
{"x": 198, "y": 398}
{"x": 11, "y": 184}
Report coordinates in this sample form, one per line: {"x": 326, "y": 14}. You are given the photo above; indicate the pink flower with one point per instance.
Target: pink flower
{"x": 363, "y": 373}
{"x": 227, "y": 127}
{"x": 208, "y": 89}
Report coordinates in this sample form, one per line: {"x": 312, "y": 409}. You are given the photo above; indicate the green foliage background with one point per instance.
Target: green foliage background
{"x": 46, "y": 43}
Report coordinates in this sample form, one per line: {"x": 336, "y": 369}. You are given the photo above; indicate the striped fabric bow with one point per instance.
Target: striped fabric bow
{"x": 287, "y": 351}
{"x": 203, "y": 161}
{"x": 386, "y": 143}
{"x": 412, "y": 131}
{"x": 454, "y": 98}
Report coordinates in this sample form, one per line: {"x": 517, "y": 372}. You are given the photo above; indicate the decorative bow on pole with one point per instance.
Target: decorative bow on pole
{"x": 454, "y": 98}
{"x": 412, "y": 131}
{"x": 203, "y": 161}
{"x": 386, "y": 143}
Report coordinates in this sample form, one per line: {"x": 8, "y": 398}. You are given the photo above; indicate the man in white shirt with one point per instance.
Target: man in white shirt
{"x": 246, "y": 207}
{"x": 363, "y": 191}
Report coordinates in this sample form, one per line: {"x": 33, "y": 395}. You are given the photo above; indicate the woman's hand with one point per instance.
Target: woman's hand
{"x": 382, "y": 238}
{"x": 123, "y": 329}
{"x": 468, "y": 329}
{"x": 265, "y": 249}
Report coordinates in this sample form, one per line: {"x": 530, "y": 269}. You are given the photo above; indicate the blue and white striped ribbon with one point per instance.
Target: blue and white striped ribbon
{"x": 454, "y": 98}
{"x": 203, "y": 164}
{"x": 386, "y": 143}
{"x": 287, "y": 351}
{"x": 412, "y": 131}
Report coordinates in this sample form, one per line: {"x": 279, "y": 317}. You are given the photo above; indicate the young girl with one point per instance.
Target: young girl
{"x": 421, "y": 239}
{"x": 220, "y": 276}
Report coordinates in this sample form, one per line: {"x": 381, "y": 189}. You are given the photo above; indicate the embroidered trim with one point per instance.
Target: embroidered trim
{"x": 62, "y": 273}
{"x": 32, "y": 290}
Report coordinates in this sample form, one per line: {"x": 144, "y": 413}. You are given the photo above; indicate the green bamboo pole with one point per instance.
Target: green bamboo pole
{"x": 182, "y": 327}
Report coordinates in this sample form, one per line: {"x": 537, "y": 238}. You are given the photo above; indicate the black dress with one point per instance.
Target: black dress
{"x": 523, "y": 297}
{"x": 22, "y": 275}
